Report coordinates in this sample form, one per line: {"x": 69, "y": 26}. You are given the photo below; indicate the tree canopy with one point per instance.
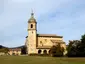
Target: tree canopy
{"x": 56, "y": 50}
{"x": 77, "y": 47}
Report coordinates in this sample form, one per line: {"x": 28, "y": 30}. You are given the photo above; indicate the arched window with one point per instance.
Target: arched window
{"x": 31, "y": 25}
{"x": 39, "y": 51}
{"x": 45, "y": 52}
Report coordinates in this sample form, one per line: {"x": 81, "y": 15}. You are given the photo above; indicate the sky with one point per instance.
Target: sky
{"x": 61, "y": 17}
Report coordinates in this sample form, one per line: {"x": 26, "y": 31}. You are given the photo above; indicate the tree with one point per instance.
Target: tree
{"x": 23, "y": 50}
{"x": 77, "y": 47}
{"x": 73, "y": 48}
{"x": 83, "y": 39}
{"x": 56, "y": 50}
{"x": 5, "y": 50}
{"x": 82, "y": 46}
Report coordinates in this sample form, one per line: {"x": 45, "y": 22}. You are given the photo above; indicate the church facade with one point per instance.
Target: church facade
{"x": 40, "y": 43}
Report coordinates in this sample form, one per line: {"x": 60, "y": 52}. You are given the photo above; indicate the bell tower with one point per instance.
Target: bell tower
{"x": 32, "y": 32}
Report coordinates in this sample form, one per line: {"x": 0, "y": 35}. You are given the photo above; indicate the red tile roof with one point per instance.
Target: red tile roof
{"x": 48, "y": 35}
{"x": 15, "y": 49}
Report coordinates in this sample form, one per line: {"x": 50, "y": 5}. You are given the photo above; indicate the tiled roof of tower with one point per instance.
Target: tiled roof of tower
{"x": 48, "y": 35}
{"x": 32, "y": 19}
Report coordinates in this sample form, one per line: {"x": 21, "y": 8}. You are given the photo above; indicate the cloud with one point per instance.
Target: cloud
{"x": 61, "y": 17}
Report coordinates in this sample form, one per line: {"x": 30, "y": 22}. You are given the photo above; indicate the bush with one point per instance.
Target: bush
{"x": 56, "y": 51}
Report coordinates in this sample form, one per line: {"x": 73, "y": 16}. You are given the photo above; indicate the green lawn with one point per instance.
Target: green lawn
{"x": 39, "y": 60}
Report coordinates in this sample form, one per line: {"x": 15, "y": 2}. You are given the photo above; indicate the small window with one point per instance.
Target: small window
{"x": 32, "y": 32}
{"x": 39, "y": 51}
{"x": 40, "y": 42}
{"x": 31, "y": 25}
{"x": 17, "y": 51}
{"x": 45, "y": 40}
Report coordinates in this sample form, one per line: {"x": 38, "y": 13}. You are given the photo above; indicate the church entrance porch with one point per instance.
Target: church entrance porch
{"x": 43, "y": 51}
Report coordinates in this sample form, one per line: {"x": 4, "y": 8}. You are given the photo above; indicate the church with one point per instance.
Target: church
{"x": 40, "y": 43}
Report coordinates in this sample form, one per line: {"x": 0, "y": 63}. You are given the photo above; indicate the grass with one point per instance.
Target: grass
{"x": 39, "y": 60}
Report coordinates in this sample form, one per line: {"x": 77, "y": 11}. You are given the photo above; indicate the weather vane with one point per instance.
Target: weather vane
{"x": 32, "y": 14}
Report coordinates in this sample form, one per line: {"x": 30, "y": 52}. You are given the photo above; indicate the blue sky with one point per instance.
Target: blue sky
{"x": 60, "y": 17}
